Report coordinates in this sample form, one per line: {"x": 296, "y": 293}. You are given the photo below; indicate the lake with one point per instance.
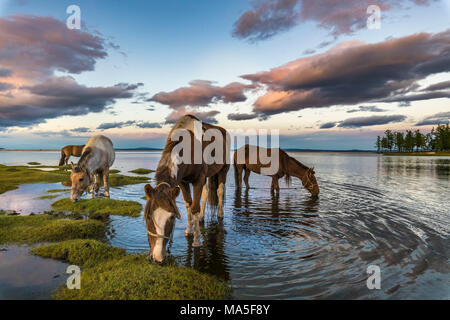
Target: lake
{"x": 387, "y": 211}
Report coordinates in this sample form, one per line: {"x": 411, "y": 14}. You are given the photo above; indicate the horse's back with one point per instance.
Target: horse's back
{"x": 103, "y": 144}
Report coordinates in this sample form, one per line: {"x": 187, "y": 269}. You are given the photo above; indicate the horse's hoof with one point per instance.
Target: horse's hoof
{"x": 196, "y": 244}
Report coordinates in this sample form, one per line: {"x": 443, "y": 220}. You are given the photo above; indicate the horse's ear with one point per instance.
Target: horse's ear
{"x": 175, "y": 192}
{"x": 149, "y": 191}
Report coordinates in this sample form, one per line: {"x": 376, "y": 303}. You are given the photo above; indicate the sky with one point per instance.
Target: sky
{"x": 316, "y": 71}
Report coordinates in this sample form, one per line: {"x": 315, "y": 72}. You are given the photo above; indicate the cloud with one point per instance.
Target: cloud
{"x": 267, "y": 18}
{"x": 202, "y": 93}
{"x": 242, "y": 116}
{"x": 328, "y": 125}
{"x": 32, "y": 49}
{"x": 359, "y": 122}
{"x": 115, "y": 125}
{"x": 139, "y": 124}
{"x": 366, "y": 108}
{"x": 206, "y": 116}
{"x": 439, "y": 118}
{"x": 355, "y": 72}
{"x": 438, "y": 86}
{"x": 81, "y": 130}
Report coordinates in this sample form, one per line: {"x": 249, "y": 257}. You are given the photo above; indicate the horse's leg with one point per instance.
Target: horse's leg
{"x": 277, "y": 186}
{"x": 195, "y": 208}
{"x": 239, "y": 169}
{"x": 246, "y": 176}
{"x": 203, "y": 204}
{"x": 93, "y": 185}
{"x": 221, "y": 190}
{"x": 67, "y": 158}
{"x": 106, "y": 181}
{"x": 272, "y": 186}
{"x": 186, "y": 190}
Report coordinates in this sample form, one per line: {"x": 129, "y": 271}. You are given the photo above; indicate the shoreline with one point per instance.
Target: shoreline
{"x": 419, "y": 154}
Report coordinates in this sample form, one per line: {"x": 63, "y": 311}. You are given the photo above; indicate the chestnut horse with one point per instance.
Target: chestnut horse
{"x": 68, "y": 151}
{"x": 97, "y": 157}
{"x": 173, "y": 174}
{"x": 287, "y": 167}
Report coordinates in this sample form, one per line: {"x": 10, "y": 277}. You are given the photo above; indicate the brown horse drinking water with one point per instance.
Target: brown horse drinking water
{"x": 173, "y": 173}
{"x": 248, "y": 158}
{"x": 68, "y": 151}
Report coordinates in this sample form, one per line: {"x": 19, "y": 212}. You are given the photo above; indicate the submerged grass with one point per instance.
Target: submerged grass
{"x": 13, "y": 176}
{"x": 142, "y": 171}
{"x": 33, "y": 163}
{"x": 49, "y": 196}
{"x": 109, "y": 274}
{"x": 58, "y": 190}
{"x": 47, "y": 228}
{"x": 100, "y": 206}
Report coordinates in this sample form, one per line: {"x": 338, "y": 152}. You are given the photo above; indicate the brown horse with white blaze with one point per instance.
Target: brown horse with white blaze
{"x": 196, "y": 169}
{"x": 68, "y": 151}
{"x": 97, "y": 157}
{"x": 247, "y": 158}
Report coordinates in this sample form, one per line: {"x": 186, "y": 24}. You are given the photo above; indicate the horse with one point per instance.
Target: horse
{"x": 97, "y": 157}
{"x": 287, "y": 167}
{"x": 207, "y": 177}
{"x": 68, "y": 151}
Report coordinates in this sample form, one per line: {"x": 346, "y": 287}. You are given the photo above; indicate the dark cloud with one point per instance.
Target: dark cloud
{"x": 354, "y": 72}
{"x": 147, "y": 125}
{"x": 438, "y": 86}
{"x": 139, "y": 124}
{"x": 115, "y": 125}
{"x": 242, "y": 116}
{"x": 366, "y": 108}
{"x": 5, "y": 72}
{"x": 202, "y": 93}
{"x": 269, "y": 17}
{"x": 370, "y": 121}
{"x": 207, "y": 116}
{"x": 439, "y": 118}
{"x": 81, "y": 130}
{"x": 328, "y": 125}
{"x": 32, "y": 49}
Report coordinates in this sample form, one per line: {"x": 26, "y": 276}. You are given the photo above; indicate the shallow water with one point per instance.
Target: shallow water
{"x": 373, "y": 210}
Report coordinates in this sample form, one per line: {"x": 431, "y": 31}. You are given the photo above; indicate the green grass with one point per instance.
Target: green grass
{"x": 114, "y": 171}
{"x": 33, "y": 163}
{"x": 142, "y": 171}
{"x": 79, "y": 252}
{"x": 99, "y": 206}
{"x": 47, "y": 228}
{"x": 422, "y": 154}
{"x": 48, "y": 196}
{"x": 58, "y": 190}
{"x": 13, "y": 176}
{"x": 109, "y": 274}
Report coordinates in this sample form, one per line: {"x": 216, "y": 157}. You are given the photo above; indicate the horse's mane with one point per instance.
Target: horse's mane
{"x": 84, "y": 157}
{"x": 299, "y": 163}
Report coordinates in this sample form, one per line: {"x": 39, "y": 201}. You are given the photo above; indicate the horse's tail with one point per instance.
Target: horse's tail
{"x": 213, "y": 185}
{"x": 63, "y": 158}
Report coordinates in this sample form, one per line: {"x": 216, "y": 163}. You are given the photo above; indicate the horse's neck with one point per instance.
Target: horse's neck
{"x": 166, "y": 170}
{"x": 294, "y": 169}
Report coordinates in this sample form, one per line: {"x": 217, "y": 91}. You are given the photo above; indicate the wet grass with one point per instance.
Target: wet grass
{"x": 47, "y": 228}
{"x": 58, "y": 190}
{"x": 13, "y": 176}
{"x": 142, "y": 171}
{"x": 99, "y": 206}
{"x": 49, "y": 196}
{"x": 110, "y": 274}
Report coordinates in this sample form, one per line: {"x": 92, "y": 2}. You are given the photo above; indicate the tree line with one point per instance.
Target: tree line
{"x": 436, "y": 140}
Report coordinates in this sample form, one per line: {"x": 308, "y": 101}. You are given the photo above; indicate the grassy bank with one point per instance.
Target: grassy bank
{"x": 142, "y": 171}
{"x": 13, "y": 176}
{"x": 47, "y": 228}
{"x": 110, "y": 274}
{"x": 422, "y": 154}
{"x": 100, "y": 206}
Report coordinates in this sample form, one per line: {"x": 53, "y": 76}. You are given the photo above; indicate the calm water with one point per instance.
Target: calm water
{"x": 373, "y": 210}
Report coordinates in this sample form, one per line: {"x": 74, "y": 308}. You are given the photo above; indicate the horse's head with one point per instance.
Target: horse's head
{"x": 310, "y": 183}
{"x": 80, "y": 181}
{"x": 160, "y": 213}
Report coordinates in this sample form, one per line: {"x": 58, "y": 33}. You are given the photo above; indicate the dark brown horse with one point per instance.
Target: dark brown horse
{"x": 68, "y": 151}
{"x": 248, "y": 158}
{"x": 183, "y": 163}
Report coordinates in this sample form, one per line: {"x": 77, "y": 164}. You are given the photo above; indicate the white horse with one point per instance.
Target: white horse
{"x": 97, "y": 157}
